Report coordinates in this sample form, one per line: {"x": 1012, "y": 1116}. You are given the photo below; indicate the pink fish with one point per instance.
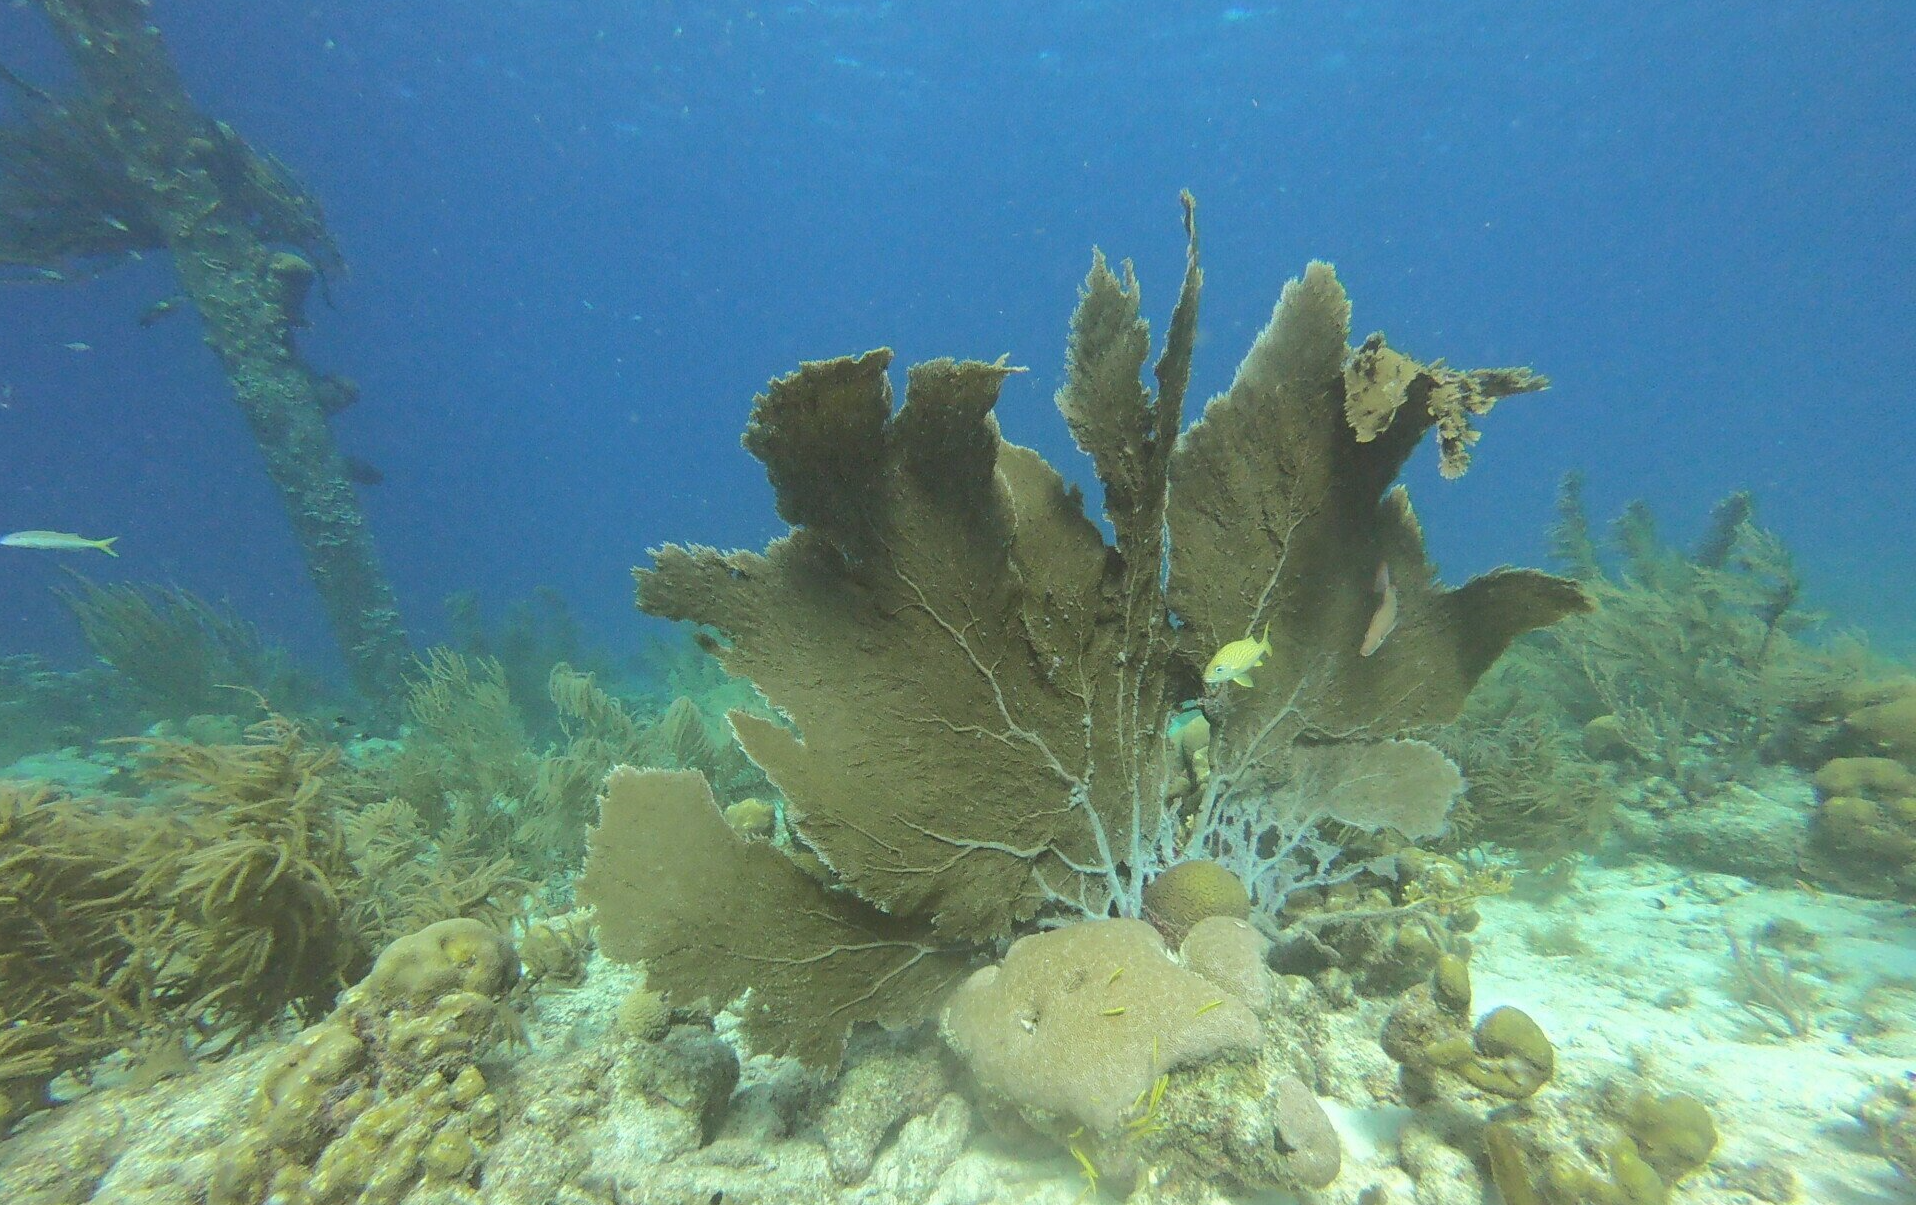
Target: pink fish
{"x": 1384, "y": 619}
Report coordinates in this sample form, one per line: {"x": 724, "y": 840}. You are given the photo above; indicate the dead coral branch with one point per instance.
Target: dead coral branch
{"x": 1771, "y": 988}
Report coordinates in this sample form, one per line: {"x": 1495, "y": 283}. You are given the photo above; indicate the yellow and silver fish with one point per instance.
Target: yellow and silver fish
{"x": 1235, "y": 661}
{"x": 57, "y": 541}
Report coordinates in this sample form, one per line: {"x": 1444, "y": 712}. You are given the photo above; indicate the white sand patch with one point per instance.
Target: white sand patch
{"x": 1369, "y": 1135}
{"x": 1655, "y": 984}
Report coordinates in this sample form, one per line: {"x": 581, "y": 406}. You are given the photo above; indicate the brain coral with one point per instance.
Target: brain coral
{"x": 1191, "y": 891}
{"x": 460, "y": 954}
{"x": 1865, "y": 825}
{"x": 1883, "y": 714}
{"x": 1079, "y": 1022}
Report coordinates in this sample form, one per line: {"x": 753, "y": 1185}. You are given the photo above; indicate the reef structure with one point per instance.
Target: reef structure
{"x": 976, "y": 685}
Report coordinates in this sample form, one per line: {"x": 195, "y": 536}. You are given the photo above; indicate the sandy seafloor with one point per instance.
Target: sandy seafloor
{"x": 1626, "y": 964}
{"x": 1653, "y": 989}
{"x": 1656, "y": 987}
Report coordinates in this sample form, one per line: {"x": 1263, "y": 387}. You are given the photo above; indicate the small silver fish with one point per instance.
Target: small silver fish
{"x": 76, "y": 345}
{"x": 161, "y": 308}
{"x": 57, "y": 541}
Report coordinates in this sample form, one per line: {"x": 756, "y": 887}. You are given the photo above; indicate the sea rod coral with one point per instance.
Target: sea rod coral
{"x": 977, "y": 684}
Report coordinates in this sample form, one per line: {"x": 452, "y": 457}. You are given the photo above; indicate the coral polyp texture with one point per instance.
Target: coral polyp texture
{"x": 1191, "y": 891}
{"x": 974, "y": 685}
{"x": 1153, "y": 1069}
{"x": 386, "y": 1092}
{"x": 1077, "y": 1024}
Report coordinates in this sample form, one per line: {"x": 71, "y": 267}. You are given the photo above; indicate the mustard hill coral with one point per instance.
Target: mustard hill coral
{"x": 386, "y": 1093}
{"x": 1882, "y": 716}
{"x": 1865, "y": 825}
{"x": 1674, "y": 1133}
{"x": 1623, "y": 1144}
{"x": 1631, "y": 1150}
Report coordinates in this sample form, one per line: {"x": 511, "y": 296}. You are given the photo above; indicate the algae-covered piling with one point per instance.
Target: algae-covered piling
{"x": 226, "y": 213}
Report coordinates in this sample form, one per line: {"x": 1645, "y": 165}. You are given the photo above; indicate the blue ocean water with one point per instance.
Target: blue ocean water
{"x": 582, "y": 234}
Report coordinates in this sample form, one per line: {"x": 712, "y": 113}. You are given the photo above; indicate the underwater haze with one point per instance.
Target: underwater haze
{"x": 580, "y": 236}
{"x": 870, "y": 603}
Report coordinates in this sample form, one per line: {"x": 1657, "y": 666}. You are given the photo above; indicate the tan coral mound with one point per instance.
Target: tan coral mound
{"x": 1080, "y": 1022}
{"x": 1886, "y": 719}
{"x": 1190, "y": 891}
{"x": 1153, "y": 1069}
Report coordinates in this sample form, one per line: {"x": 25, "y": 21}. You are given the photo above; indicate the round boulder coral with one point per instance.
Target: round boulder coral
{"x": 1189, "y": 892}
{"x": 1866, "y": 825}
{"x": 752, "y": 817}
{"x": 458, "y": 955}
{"x": 1076, "y": 1024}
{"x": 1151, "y": 1070}
{"x": 643, "y": 1015}
{"x": 1883, "y": 715}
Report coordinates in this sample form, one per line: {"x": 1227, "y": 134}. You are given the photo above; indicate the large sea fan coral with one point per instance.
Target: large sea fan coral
{"x": 977, "y": 684}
